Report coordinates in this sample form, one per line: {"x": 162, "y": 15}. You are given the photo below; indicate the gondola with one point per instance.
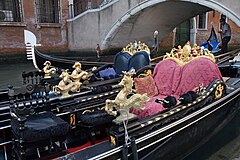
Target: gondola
{"x": 134, "y": 55}
{"x": 212, "y": 42}
{"x": 39, "y": 58}
{"x": 230, "y": 66}
{"x": 94, "y": 94}
{"x": 177, "y": 131}
{"x": 104, "y": 74}
{"x": 168, "y": 133}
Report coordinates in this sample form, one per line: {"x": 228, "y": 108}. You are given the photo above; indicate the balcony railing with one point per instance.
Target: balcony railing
{"x": 81, "y": 6}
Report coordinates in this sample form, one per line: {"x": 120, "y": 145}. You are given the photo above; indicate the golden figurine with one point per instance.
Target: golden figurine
{"x": 78, "y": 74}
{"x": 186, "y": 51}
{"x": 66, "y": 85}
{"x": 121, "y": 103}
{"x": 48, "y": 69}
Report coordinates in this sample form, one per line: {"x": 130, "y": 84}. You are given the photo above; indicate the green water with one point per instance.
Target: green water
{"x": 11, "y": 74}
{"x": 223, "y": 146}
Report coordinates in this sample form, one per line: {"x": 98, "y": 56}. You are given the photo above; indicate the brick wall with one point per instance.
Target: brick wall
{"x": 53, "y": 37}
{"x": 213, "y": 19}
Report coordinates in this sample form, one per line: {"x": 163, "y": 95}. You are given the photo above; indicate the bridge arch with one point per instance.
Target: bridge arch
{"x": 133, "y": 17}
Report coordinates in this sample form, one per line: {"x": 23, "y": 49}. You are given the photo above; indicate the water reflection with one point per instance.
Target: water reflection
{"x": 12, "y": 73}
{"x": 223, "y": 146}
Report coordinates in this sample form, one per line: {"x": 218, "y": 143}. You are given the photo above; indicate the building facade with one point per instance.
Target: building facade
{"x": 47, "y": 20}
{"x": 198, "y": 29}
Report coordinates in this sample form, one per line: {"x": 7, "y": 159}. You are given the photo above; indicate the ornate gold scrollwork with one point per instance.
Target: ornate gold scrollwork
{"x": 219, "y": 91}
{"x": 135, "y": 47}
{"x": 145, "y": 73}
{"x": 186, "y": 54}
{"x": 72, "y": 119}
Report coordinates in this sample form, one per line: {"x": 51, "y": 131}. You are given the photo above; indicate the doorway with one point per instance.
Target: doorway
{"x": 182, "y": 34}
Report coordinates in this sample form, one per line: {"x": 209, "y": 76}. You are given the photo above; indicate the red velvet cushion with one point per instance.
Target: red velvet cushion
{"x": 167, "y": 76}
{"x": 172, "y": 79}
{"x": 146, "y": 85}
{"x": 198, "y": 71}
{"x": 151, "y": 108}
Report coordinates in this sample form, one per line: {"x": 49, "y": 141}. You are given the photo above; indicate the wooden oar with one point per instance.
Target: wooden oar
{"x": 228, "y": 54}
{"x": 157, "y": 59}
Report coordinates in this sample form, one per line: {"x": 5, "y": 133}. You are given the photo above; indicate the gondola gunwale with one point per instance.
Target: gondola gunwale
{"x": 176, "y": 109}
{"x": 63, "y": 60}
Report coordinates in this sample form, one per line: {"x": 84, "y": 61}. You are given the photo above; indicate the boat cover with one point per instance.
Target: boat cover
{"x": 40, "y": 127}
{"x": 213, "y": 40}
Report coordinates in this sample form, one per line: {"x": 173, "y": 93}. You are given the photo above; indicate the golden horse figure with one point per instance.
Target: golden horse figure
{"x": 121, "y": 103}
{"x": 48, "y": 69}
{"x": 78, "y": 74}
{"x": 66, "y": 85}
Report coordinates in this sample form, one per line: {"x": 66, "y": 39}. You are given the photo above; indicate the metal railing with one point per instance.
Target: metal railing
{"x": 81, "y": 6}
{"x": 48, "y": 11}
{"x": 11, "y": 11}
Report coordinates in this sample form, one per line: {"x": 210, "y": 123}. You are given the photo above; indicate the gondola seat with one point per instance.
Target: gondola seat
{"x": 139, "y": 60}
{"x": 124, "y": 61}
{"x": 40, "y": 127}
{"x": 174, "y": 80}
{"x": 121, "y": 62}
{"x": 166, "y": 77}
{"x": 196, "y": 72}
{"x": 94, "y": 121}
{"x": 32, "y": 125}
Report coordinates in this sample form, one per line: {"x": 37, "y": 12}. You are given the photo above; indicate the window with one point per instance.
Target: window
{"x": 48, "y": 11}
{"x": 202, "y": 21}
{"x": 10, "y": 11}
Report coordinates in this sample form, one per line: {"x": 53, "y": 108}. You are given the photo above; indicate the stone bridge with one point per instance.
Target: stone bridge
{"x": 121, "y": 21}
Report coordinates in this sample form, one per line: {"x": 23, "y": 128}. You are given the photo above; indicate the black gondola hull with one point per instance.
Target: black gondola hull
{"x": 64, "y": 63}
{"x": 178, "y": 139}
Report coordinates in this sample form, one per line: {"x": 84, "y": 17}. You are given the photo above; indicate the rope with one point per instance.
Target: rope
{"x": 127, "y": 139}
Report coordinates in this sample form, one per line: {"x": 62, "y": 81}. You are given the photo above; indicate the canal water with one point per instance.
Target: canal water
{"x": 224, "y": 146}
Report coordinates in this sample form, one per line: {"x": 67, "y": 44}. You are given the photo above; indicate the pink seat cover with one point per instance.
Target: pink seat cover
{"x": 198, "y": 71}
{"x": 167, "y": 76}
{"x": 172, "y": 79}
